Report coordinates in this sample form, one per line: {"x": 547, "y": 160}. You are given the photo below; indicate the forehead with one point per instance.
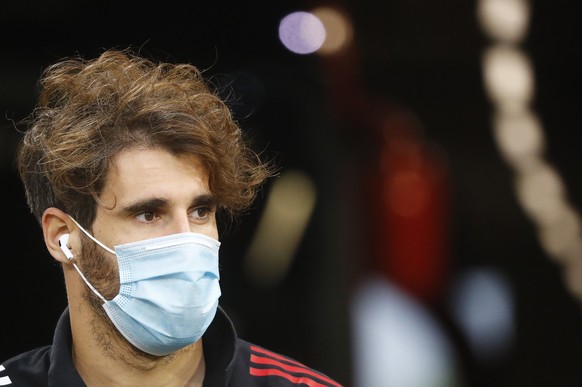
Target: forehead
{"x": 138, "y": 172}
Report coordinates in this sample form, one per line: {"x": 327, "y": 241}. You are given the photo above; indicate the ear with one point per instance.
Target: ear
{"x": 55, "y": 225}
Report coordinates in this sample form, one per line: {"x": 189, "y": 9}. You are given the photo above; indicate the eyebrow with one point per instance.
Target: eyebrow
{"x": 204, "y": 200}
{"x": 158, "y": 203}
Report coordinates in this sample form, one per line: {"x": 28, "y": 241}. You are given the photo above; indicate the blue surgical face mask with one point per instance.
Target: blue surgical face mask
{"x": 169, "y": 290}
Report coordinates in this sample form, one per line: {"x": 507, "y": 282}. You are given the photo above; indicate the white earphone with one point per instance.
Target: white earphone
{"x": 63, "y": 243}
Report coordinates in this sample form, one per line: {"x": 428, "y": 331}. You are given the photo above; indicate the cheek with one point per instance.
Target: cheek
{"x": 213, "y": 229}
{"x": 208, "y": 227}
{"x": 208, "y": 231}
{"x": 100, "y": 269}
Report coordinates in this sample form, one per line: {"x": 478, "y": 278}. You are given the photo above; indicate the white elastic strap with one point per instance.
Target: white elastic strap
{"x": 91, "y": 236}
{"x": 77, "y": 268}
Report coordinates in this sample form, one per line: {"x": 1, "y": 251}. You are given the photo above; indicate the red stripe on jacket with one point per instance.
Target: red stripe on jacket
{"x": 296, "y": 367}
{"x": 295, "y": 379}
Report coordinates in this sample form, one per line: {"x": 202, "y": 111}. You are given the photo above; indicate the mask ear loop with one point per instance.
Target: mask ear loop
{"x": 70, "y": 257}
{"x": 91, "y": 236}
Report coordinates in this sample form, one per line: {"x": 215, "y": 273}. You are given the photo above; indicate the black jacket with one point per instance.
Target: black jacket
{"x": 230, "y": 362}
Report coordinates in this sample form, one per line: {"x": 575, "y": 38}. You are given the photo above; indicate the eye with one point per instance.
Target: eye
{"x": 202, "y": 213}
{"x": 146, "y": 217}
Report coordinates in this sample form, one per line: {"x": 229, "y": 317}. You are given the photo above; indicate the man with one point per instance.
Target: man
{"x": 125, "y": 165}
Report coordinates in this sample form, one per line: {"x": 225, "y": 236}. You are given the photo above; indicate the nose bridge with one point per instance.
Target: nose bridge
{"x": 180, "y": 222}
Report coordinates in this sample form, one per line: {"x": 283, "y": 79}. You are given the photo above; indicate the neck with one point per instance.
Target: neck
{"x": 183, "y": 368}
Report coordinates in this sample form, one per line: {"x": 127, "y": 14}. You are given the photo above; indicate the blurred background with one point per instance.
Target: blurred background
{"x": 424, "y": 229}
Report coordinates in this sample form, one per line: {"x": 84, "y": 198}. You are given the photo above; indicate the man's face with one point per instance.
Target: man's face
{"x": 148, "y": 193}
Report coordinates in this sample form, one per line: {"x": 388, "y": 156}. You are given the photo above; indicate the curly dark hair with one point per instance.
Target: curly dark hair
{"x": 90, "y": 110}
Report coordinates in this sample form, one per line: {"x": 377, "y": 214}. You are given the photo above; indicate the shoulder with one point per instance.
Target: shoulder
{"x": 27, "y": 369}
{"x": 258, "y": 366}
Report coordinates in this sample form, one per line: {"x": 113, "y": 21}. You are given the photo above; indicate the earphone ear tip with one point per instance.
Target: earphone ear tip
{"x": 63, "y": 240}
{"x": 63, "y": 243}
